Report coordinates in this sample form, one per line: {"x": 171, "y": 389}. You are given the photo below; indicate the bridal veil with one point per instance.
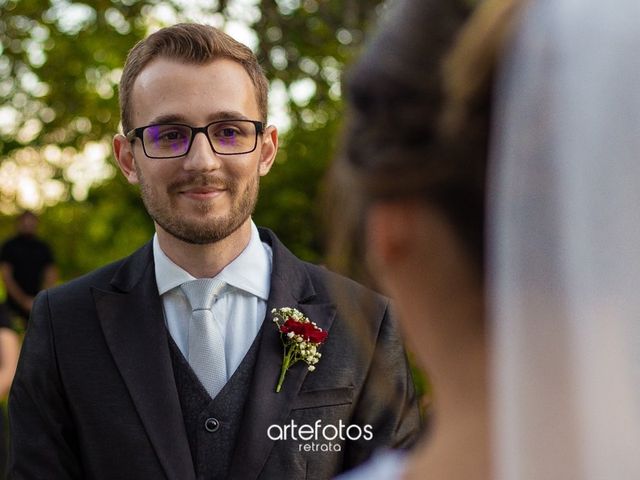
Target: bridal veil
{"x": 564, "y": 244}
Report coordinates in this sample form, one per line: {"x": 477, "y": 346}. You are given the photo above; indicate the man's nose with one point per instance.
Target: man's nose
{"x": 201, "y": 157}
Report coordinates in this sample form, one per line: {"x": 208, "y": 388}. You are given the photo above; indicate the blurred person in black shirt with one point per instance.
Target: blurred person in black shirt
{"x": 26, "y": 265}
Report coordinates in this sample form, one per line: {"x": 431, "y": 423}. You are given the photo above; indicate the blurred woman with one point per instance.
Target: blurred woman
{"x": 411, "y": 186}
{"x": 546, "y": 385}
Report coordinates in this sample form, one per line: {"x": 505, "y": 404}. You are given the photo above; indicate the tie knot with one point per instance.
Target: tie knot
{"x": 202, "y": 293}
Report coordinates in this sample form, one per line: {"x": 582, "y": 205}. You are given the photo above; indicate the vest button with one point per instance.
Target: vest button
{"x": 211, "y": 424}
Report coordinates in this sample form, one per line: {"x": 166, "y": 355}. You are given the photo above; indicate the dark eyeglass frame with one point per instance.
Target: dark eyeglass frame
{"x": 132, "y": 134}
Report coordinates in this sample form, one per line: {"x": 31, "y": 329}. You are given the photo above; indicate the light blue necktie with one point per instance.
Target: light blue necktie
{"x": 206, "y": 343}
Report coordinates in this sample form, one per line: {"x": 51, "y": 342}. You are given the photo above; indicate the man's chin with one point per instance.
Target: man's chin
{"x": 202, "y": 232}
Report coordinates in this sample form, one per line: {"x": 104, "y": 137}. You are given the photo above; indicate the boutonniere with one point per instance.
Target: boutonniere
{"x": 300, "y": 337}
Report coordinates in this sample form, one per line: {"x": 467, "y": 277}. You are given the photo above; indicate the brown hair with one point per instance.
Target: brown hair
{"x": 419, "y": 119}
{"x": 189, "y": 43}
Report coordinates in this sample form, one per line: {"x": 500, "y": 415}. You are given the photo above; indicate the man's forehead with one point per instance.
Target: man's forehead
{"x": 171, "y": 90}
{"x": 176, "y": 68}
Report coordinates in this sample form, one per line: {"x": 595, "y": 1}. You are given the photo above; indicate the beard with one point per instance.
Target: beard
{"x": 163, "y": 209}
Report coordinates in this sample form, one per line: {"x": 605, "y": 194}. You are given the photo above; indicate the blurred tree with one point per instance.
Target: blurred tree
{"x": 60, "y": 65}
{"x": 106, "y": 226}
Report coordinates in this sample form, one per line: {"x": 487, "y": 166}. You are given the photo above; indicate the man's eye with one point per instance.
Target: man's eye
{"x": 171, "y": 135}
{"x": 228, "y": 132}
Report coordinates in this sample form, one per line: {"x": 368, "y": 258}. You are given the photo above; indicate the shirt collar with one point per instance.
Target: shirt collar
{"x": 250, "y": 271}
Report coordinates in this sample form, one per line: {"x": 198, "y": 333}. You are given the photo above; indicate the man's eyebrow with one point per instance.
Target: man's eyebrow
{"x": 227, "y": 115}
{"x": 168, "y": 118}
{"x": 177, "y": 118}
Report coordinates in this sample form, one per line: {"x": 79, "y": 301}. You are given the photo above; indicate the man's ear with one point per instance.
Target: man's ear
{"x": 122, "y": 149}
{"x": 268, "y": 150}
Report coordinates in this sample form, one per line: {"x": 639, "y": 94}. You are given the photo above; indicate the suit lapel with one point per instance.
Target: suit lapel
{"x": 291, "y": 286}
{"x": 133, "y": 324}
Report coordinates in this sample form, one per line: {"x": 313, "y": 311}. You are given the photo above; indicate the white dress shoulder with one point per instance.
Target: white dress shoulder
{"x": 387, "y": 465}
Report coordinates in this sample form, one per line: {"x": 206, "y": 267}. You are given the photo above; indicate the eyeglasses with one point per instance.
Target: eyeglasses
{"x": 172, "y": 140}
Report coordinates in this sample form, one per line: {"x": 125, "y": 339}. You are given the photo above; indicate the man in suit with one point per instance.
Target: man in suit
{"x": 119, "y": 377}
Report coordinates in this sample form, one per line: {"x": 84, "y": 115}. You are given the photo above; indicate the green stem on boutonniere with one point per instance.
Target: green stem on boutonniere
{"x": 286, "y": 363}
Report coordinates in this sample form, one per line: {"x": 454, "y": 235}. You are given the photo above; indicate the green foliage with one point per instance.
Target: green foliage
{"x": 107, "y": 226}
{"x": 290, "y": 195}
{"x": 73, "y": 63}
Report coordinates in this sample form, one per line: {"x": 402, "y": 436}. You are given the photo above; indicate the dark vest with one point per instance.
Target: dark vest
{"x": 212, "y": 425}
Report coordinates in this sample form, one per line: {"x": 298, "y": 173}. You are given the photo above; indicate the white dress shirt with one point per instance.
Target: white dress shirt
{"x": 241, "y": 311}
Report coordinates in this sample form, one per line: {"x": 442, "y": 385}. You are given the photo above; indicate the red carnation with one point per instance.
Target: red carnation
{"x": 314, "y": 334}
{"x": 300, "y": 339}
{"x": 294, "y": 326}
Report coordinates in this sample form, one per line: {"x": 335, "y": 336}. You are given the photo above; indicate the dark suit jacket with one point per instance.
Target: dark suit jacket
{"x": 94, "y": 395}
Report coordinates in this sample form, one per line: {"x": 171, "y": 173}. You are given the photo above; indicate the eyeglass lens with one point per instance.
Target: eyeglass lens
{"x": 171, "y": 140}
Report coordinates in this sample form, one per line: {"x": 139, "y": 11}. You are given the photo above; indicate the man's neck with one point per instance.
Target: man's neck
{"x": 207, "y": 260}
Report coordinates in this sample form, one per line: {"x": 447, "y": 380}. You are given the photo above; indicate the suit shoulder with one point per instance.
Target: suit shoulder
{"x": 119, "y": 275}
{"x": 103, "y": 278}
{"x": 99, "y": 278}
{"x": 338, "y": 286}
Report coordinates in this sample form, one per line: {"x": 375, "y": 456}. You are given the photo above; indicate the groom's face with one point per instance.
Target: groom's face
{"x": 200, "y": 197}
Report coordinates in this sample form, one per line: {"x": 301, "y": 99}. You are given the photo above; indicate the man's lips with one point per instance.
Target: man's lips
{"x": 202, "y": 193}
